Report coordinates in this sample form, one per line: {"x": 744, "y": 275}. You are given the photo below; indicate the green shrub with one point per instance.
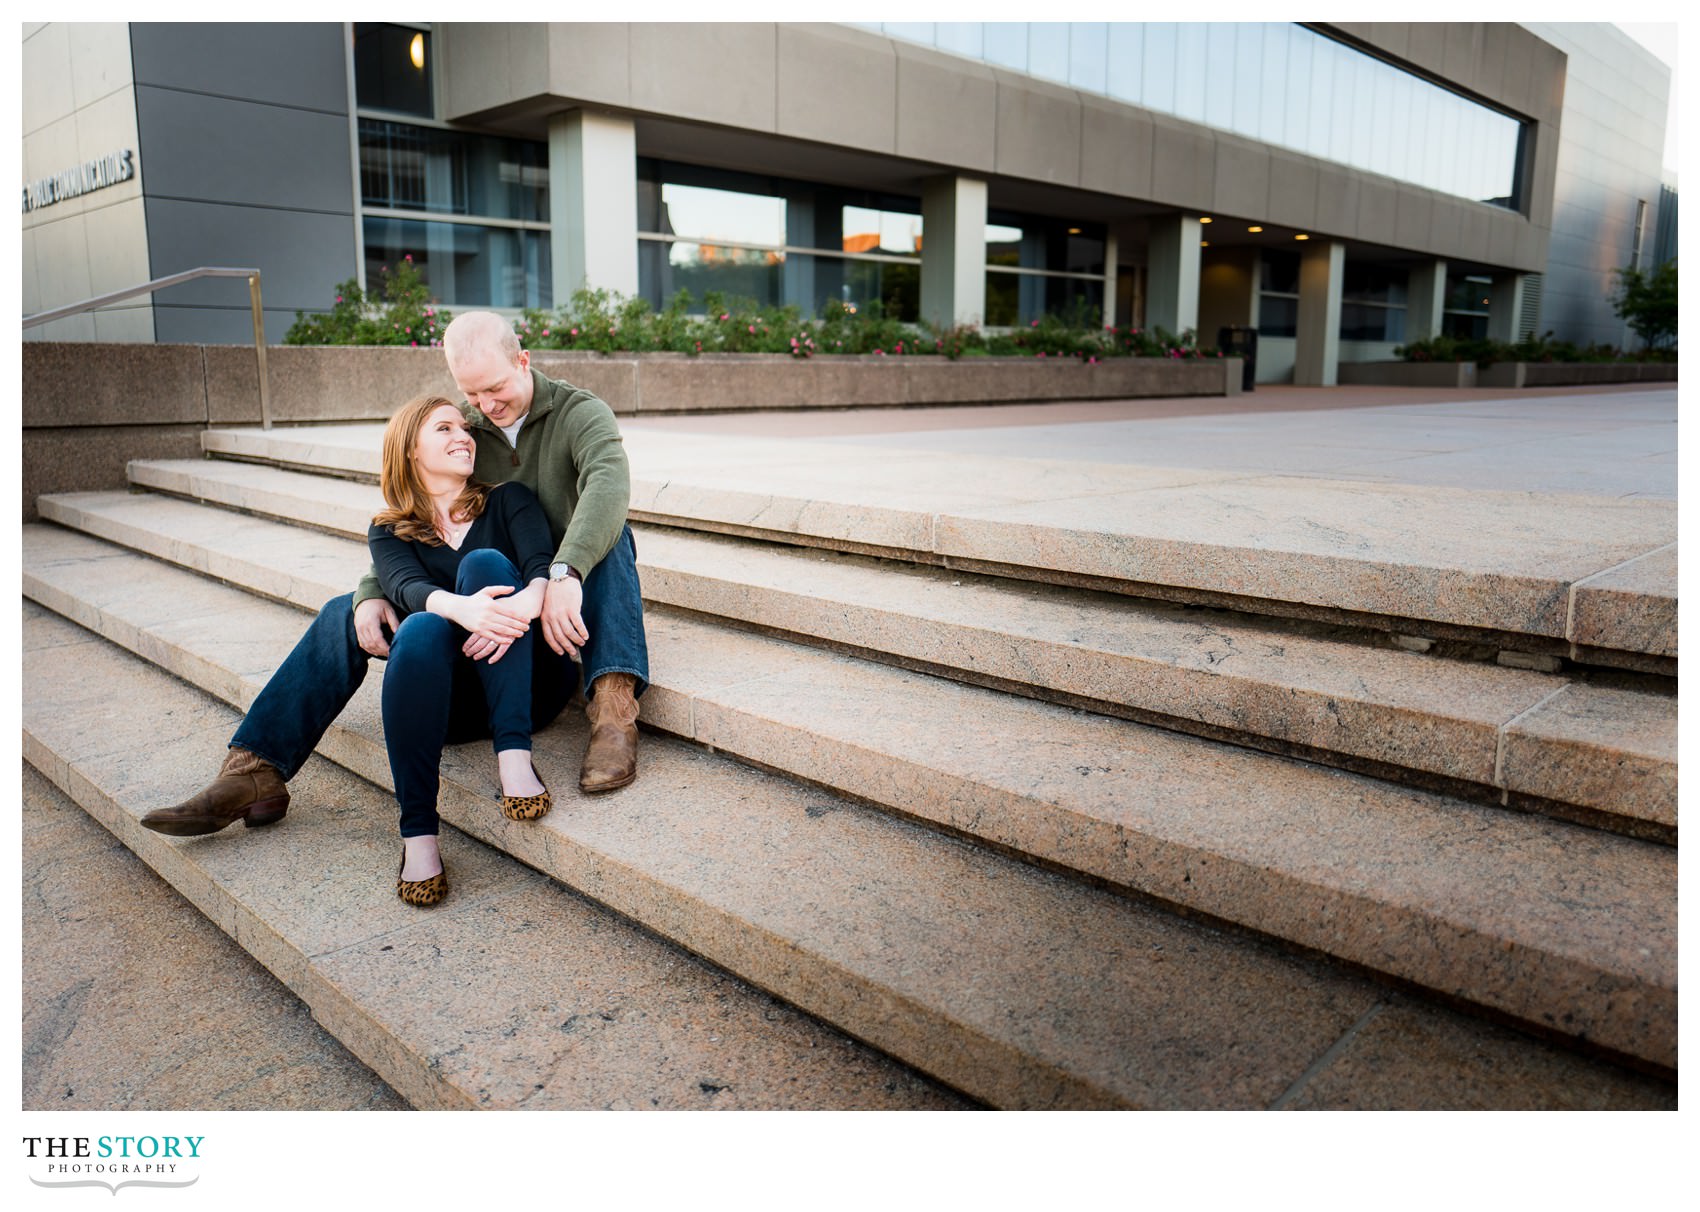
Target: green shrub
{"x": 399, "y": 311}
{"x": 602, "y": 321}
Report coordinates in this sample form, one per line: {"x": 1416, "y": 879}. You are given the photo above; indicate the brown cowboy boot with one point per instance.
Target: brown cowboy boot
{"x": 246, "y": 789}
{"x": 611, "y": 759}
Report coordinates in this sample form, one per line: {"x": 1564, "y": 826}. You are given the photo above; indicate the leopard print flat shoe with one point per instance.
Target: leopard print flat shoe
{"x": 423, "y": 893}
{"x": 527, "y": 807}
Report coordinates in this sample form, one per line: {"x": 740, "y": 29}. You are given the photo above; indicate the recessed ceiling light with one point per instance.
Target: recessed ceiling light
{"x": 1301, "y": 236}
{"x": 1204, "y": 244}
{"x": 1205, "y": 219}
{"x": 1254, "y": 229}
{"x": 1074, "y": 231}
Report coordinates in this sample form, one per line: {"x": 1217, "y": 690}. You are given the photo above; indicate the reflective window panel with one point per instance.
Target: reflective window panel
{"x": 664, "y": 269}
{"x": 1017, "y": 299}
{"x": 392, "y": 68}
{"x": 406, "y": 167}
{"x": 1276, "y": 82}
{"x": 464, "y": 265}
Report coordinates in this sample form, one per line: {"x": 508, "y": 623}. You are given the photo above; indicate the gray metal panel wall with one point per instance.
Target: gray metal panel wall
{"x": 244, "y": 134}
{"x": 1609, "y": 158}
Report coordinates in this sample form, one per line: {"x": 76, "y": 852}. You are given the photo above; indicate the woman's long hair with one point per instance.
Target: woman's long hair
{"x": 411, "y": 513}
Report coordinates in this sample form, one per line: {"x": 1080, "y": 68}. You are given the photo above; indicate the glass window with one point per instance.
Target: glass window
{"x": 1040, "y": 242}
{"x": 1126, "y": 62}
{"x": 1006, "y": 44}
{"x": 465, "y": 265}
{"x": 392, "y": 68}
{"x": 1158, "y": 91}
{"x": 1272, "y": 118}
{"x": 736, "y": 273}
{"x": 1277, "y": 316}
{"x": 721, "y": 215}
{"x": 1280, "y": 272}
{"x": 1087, "y": 47}
{"x": 406, "y": 167}
{"x": 1192, "y": 70}
{"x": 1279, "y": 83}
{"x": 1047, "y": 50}
{"x": 1017, "y": 299}
{"x": 1219, "y": 96}
{"x": 1364, "y": 322}
{"x": 878, "y": 231}
{"x": 962, "y": 37}
{"x": 1296, "y": 133}
{"x": 913, "y": 31}
{"x": 1248, "y": 79}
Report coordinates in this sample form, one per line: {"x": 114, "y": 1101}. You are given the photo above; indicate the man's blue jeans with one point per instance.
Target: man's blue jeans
{"x": 325, "y": 668}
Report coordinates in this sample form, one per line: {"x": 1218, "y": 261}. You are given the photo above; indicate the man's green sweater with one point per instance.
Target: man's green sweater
{"x": 570, "y": 454}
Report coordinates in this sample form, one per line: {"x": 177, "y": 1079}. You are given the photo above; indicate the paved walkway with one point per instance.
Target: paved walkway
{"x": 1592, "y": 441}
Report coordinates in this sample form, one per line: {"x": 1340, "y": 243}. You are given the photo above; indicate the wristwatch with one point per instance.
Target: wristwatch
{"x": 562, "y": 572}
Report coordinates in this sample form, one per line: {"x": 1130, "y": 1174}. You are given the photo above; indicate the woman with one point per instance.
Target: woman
{"x": 451, "y": 554}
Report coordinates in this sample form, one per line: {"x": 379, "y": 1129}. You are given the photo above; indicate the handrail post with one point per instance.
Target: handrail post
{"x": 260, "y": 350}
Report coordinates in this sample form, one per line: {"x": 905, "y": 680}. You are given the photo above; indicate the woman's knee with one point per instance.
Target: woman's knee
{"x": 483, "y": 567}
{"x": 423, "y": 633}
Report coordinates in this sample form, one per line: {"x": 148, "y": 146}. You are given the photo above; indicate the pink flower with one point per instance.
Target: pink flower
{"x": 880, "y": 352}
{"x": 725, "y": 315}
{"x": 409, "y": 328}
{"x": 545, "y": 332}
{"x": 339, "y": 298}
{"x": 1040, "y": 354}
{"x": 1035, "y": 324}
{"x": 414, "y": 344}
{"x": 408, "y": 257}
{"x": 752, "y": 328}
{"x": 575, "y": 332}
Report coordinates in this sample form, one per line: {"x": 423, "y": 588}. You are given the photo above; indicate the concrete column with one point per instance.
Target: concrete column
{"x": 592, "y": 203}
{"x": 1505, "y": 307}
{"x": 1112, "y": 250}
{"x": 1316, "y": 355}
{"x": 1425, "y": 304}
{"x": 1171, "y": 299}
{"x": 953, "y": 251}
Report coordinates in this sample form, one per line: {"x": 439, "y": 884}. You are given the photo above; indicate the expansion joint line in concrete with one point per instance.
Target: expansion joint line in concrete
{"x": 1327, "y": 1058}
{"x": 1505, "y": 732}
{"x": 1570, "y": 597}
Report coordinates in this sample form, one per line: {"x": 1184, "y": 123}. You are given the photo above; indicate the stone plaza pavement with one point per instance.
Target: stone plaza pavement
{"x": 1543, "y": 521}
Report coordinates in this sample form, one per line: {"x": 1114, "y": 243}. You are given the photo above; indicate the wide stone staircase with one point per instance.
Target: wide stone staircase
{"x": 937, "y": 806}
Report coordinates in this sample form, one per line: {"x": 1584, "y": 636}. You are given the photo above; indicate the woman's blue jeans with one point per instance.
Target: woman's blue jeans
{"x": 325, "y": 668}
{"x": 434, "y": 693}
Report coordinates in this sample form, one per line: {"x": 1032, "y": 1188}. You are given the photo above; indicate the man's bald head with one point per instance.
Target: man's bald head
{"x": 488, "y": 365}
{"x": 474, "y": 333}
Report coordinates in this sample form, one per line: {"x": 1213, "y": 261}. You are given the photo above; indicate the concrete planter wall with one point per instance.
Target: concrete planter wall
{"x": 1407, "y": 374}
{"x": 1572, "y": 374}
{"x": 90, "y": 407}
{"x": 1503, "y": 374}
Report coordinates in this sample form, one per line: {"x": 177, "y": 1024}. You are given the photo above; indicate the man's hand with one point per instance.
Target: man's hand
{"x": 563, "y": 625}
{"x": 485, "y": 615}
{"x": 369, "y": 619}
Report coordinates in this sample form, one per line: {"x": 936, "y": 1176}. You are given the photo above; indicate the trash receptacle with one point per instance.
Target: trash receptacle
{"x": 1240, "y": 341}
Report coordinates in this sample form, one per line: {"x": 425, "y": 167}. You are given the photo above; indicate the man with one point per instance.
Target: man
{"x": 563, "y": 444}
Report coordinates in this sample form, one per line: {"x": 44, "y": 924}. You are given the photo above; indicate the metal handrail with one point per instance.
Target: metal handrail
{"x": 188, "y": 275}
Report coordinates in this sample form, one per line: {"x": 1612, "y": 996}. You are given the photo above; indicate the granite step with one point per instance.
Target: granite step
{"x": 515, "y": 993}
{"x": 1600, "y": 755}
{"x": 1567, "y": 929}
{"x": 1591, "y": 579}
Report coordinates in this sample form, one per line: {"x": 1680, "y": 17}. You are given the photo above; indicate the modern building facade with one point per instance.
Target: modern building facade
{"x": 1342, "y": 188}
